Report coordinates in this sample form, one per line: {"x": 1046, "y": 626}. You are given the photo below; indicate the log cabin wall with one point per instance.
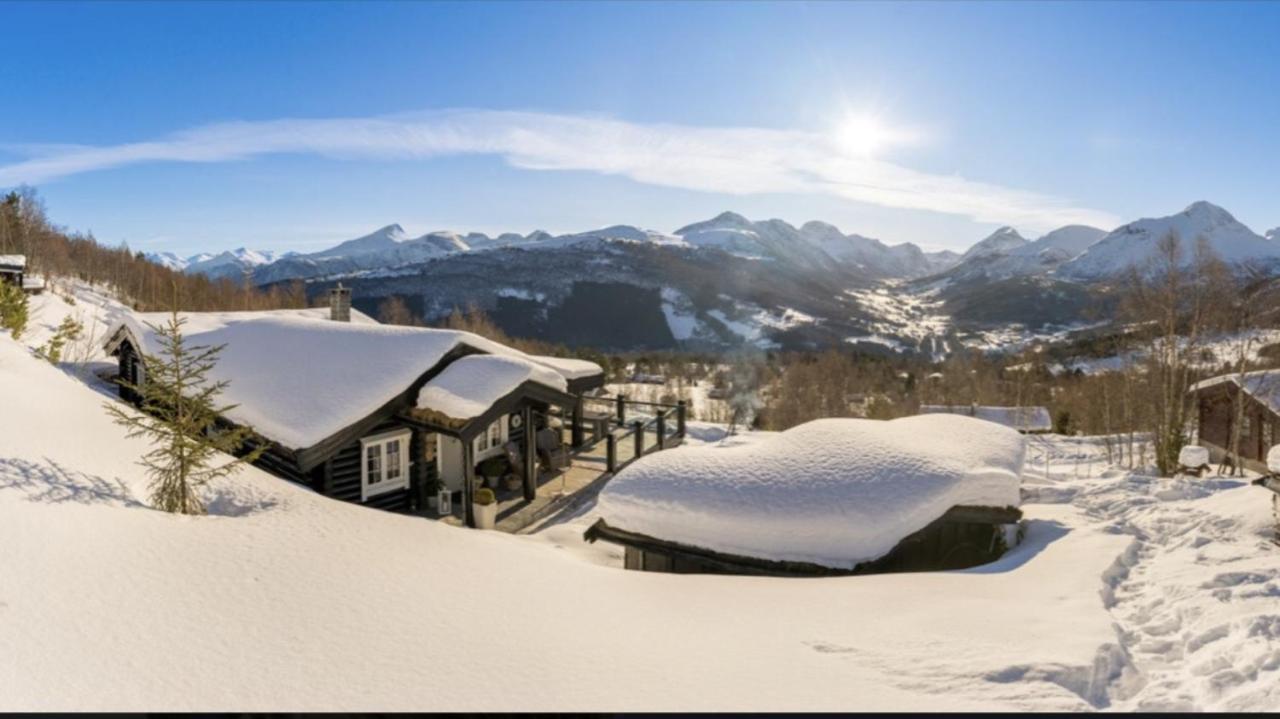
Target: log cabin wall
{"x": 1216, "y": 416}
{"x": 345, "y": 480}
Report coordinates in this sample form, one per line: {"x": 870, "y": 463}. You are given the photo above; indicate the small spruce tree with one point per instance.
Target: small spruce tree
{"x": 13, "y": 309}
{"x": 68, "y": 331}
{"x": 179, "y": 416}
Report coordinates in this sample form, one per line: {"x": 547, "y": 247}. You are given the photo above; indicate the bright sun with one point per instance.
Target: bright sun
{"x": 862, "y": 134}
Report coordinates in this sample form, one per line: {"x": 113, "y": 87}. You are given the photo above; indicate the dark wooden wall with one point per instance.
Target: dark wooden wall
{"x": 345, "y": 468}
{"x": 128, "y": 371}
{"x": 1216, "y": 416}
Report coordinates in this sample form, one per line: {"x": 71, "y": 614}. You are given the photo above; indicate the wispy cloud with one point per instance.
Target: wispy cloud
{"x": 732, "y": 160}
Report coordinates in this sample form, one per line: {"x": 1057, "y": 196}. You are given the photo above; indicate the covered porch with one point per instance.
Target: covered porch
{"x": 599, "y": 436}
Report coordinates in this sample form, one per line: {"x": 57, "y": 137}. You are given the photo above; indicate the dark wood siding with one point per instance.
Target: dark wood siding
{"x": 129, "y": 364}
{"x": 345, "y": 484}
{"x": 1216, "y": 418}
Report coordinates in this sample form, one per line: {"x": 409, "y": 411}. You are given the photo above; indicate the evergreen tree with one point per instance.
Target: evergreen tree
{"x": 180, "y": 417}
{"x": 68, "y": 331}
{"x": 13, "y": 309}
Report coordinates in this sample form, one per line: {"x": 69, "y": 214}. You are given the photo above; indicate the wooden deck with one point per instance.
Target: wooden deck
{"x": 585, "y": 476}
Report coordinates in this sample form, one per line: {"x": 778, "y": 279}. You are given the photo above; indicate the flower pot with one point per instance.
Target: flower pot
{"x": 491, "y": 482}
{"x": 486, "y": 515}
{"x": 512, "y": 482}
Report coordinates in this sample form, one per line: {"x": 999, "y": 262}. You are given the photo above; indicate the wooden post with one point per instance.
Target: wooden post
{"x": 682, "y": 414}
{"x": 662, "y": 429}
{"x": 639, "y": 438}
{"x": 468, "y": 476}
{"x": 575, "y": 433}
{"x": 530, "y": 455}
{"x": 622, "y": 409}
{"x": 611, "y": 452}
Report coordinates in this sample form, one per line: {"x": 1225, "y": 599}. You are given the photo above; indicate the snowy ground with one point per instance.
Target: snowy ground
{"x": 1167, "y": 587}
{"x": 1129, "y": 592}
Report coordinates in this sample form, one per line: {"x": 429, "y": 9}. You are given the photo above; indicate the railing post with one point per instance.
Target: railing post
{"x": 662, "y": 429}
{"x": 639, "y": 438}
{"x": 575, "y": 433}
{"x": 611, "y": 452}
{"x": 682, "y": 412}
{"x": 622, "y": 409}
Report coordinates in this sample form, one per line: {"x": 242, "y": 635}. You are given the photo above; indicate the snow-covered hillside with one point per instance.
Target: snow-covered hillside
{"x": 107, "y": 604}
{"x": 1135, "y": 242}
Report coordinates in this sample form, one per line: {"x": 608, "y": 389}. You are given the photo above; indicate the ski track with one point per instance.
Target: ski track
{"x": 1183, "y": 643}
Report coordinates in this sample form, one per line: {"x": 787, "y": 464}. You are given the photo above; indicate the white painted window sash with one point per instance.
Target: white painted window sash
{"x": 386, "y": 484}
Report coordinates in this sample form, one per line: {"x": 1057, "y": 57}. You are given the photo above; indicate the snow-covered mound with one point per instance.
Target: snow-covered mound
{"x": 834, "y": 492}
{"x": 1137, "y": 241}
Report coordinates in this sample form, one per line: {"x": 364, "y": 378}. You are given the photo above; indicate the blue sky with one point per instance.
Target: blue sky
{"x": 201, "y": 126}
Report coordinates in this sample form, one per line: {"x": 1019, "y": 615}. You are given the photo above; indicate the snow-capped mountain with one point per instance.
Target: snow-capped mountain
{"x": 1000, "y": 242}
{"x": 168, "y": 259}
{"x": 231, "y": 264}
{"x": 1137, "y": 241}
{"x": 814, "y": 243}
{"x": 1064, "y": 242}
{"x": 1006, "y": 254}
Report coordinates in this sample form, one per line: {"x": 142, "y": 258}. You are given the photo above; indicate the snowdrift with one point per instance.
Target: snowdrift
{"x": 834, "y": 492}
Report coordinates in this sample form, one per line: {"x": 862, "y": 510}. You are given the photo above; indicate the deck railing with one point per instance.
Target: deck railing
{"x": 638, "y": 428}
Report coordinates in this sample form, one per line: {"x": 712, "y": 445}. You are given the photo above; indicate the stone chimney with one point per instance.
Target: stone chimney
{"x": 340, "y": 303}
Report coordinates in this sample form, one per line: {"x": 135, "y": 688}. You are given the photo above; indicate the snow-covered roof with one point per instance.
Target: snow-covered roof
{"x": 570, "y": 368}
{"x": 13, "y": 261}
{"x": 298, "y": 377}
{"x": 470, "y": 385}
{"x": 1262, "y": 385}
{"x": 1026, "y": 419}
{"x": 834, "y": 492}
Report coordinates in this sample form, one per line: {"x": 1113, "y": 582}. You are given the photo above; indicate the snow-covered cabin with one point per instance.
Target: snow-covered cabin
{"x": 1216, "y": 415}
{"x": 1028, "y": 420}
{"x": 831, "y": 496}
{"x": 365, "y": 412}
{"x": 12, "y": 269}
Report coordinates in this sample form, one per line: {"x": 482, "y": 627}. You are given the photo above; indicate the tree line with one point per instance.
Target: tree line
{"x": 25, "y": 229}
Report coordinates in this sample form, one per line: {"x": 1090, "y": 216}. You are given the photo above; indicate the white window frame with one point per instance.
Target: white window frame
{"x": 381, "y": 441}
{"x": 482, "y": 448}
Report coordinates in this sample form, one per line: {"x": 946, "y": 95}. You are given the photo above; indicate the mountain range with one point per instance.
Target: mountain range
{"x": 811, "y": 285}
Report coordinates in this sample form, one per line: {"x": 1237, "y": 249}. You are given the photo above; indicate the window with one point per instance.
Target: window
{"x": 491, "y": 438}
{"x": 386, "y": 464}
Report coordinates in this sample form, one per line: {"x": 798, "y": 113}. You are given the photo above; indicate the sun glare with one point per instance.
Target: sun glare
{"x": 867, "y": 134}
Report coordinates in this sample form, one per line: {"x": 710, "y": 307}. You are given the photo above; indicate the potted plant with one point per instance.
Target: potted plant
{"x": 493, "y": 468}
{"x": 485, "y": 507}
{"x": 512, "y": 482}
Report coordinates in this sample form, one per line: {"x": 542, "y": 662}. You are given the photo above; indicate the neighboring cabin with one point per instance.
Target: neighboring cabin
{"x": 1215, "y": 414}
{"x": 1028, "y": 420}
{"x": 828, "y": 497}
{"x": 369, "y": 413}
{"x": 13, "y": 269}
